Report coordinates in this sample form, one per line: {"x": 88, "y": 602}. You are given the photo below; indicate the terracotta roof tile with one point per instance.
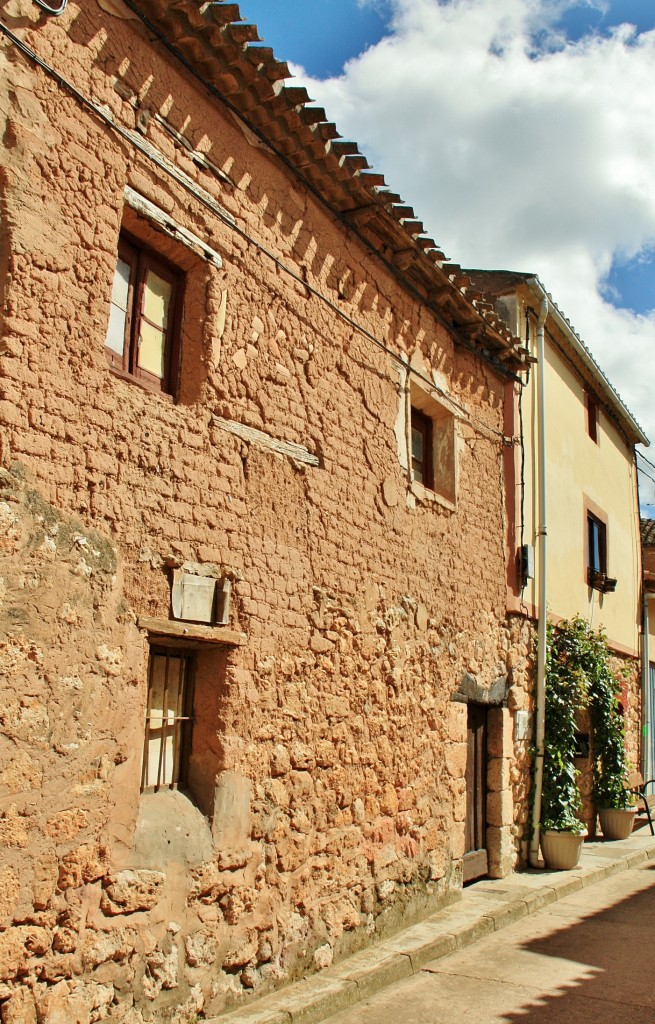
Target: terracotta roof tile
{"x": 222, "y": 50}
{"x": 648, "y": 532}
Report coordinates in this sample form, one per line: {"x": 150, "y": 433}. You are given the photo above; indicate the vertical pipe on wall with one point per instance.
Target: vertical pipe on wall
{"x": 647, "y": 758}
{"x": 540, "y": 725}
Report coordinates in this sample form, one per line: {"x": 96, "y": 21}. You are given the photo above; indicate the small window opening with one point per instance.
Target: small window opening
{"x": 432, "y": 443}
{"x": 592, "y": 411}
{"x": 169, "y": 719}
{"x": 144, "y": 320}
{"x": 596, "y": 551}
{"x": 422, "y": 448}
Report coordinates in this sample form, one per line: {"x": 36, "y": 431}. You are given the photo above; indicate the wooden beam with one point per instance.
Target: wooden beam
{"x": 437, "y": 295}
{"x": 354, "y": 162}
{"x": 472, "y": 330}
{"x": 361, "y": 214}
{"x": 168, "y": 226}
{"x": 413, "y": 227}
{"x": 312, "y": 115}
{"x": 240, "y": 33}
{"x": 221, "y": 14}
{"x": 342, "y": 147}
{"x": 402, "y": 212}
{"x": 296, "y": 95}
{"x": 371, "y": 179}
{"x": 404, "y": 258}
{"x": 289, "y": 448}
{"x": 190, "y": 631}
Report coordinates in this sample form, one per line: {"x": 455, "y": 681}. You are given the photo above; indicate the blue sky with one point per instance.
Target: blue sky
{"x": 319, "y": 34}
{"x": 598, "y": 17}
{"x": 322, "y": 35}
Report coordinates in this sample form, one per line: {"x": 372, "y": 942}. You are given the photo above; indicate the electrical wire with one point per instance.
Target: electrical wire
{"x": 647, "y": 475}
{"x": 257, "y": 131}
{"x": 55, "y": 11}
{"x": 145, "y": 149}
{"x": 642, "y": 456}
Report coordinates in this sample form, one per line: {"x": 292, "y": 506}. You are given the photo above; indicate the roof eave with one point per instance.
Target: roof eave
{"x": 214, "y": 45}
{"x": 628, "y": 423}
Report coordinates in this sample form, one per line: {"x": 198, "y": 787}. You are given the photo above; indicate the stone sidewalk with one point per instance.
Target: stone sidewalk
{"x": 485, "y": 907}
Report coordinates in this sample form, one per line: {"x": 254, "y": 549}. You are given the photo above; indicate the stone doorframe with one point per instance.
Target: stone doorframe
{"x": 501, "y": 849}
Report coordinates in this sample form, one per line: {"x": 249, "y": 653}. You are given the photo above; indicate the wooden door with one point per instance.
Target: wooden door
{"x": 475, "y": 855}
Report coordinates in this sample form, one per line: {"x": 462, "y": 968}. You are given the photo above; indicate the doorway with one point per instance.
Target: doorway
{"x": 476, "y": 863}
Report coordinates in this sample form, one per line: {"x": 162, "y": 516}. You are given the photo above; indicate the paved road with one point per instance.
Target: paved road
{"x": 588, "y": 959}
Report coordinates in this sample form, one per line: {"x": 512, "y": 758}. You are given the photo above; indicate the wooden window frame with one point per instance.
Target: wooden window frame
{"x": 422, "y": 423}
{"x": 596, "y": 574}
{"x": 182, "y": 720}
{"x": 141, "y": 260}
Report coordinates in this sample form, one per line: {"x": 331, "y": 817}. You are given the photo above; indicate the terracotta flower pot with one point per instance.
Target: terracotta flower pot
{"x": 561, "y": 850}
{"x": 616, "y": 824}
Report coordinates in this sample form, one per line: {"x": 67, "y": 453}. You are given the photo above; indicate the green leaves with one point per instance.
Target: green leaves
{"x": 578, "y": 675}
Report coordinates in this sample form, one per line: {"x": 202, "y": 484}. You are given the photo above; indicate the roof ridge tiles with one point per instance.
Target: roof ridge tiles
{"x": 242, "y": 33}
{"x": 297, "y": 95}
{"x": 220, "y": 13}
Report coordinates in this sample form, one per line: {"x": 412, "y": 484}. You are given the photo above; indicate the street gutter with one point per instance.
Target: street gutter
{"x": 485, "y": 907}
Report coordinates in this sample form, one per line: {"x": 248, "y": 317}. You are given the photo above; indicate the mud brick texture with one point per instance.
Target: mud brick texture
{"x": 326, "y": 796}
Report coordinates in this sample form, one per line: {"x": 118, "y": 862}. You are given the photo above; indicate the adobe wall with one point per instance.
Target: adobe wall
{"x": 333, "y": 743}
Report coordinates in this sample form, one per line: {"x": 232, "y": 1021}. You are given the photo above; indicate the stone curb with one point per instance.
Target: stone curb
{"x": 457, "y": 926}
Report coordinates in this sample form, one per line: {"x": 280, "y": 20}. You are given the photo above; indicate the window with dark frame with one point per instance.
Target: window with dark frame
{"x": 145, "y": 317}
{"x": 596, "y": 551}
{"x": 591, "y": 406}
{"x": 169, "y": 718}
{"x": 422, "y": 448}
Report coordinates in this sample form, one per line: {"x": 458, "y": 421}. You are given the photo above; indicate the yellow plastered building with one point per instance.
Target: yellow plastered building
{"x": 584, "y": 503}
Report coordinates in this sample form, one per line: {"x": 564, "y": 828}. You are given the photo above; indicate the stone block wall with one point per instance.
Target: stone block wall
{"x": 327, "y": 792}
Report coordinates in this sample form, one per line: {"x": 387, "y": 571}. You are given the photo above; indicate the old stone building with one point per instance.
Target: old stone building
{"x": 252, "y": 563}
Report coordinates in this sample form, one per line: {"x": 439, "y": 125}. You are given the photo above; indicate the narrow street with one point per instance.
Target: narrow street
{"x": 587, "y": 958}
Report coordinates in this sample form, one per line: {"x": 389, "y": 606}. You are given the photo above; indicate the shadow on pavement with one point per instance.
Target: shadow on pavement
{"x": 612, "y": 952}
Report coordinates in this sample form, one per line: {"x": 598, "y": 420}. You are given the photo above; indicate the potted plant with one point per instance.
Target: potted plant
{"x": 616, "y": 805}
{"x": 561, "y": 831}
{"x": 561, "y": 840}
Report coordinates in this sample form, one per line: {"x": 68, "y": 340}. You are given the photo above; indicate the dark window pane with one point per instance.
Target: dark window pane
{"x": 592, "y": 417}
{"x": 422, "y": 454}
{"x": 596, "y": 545}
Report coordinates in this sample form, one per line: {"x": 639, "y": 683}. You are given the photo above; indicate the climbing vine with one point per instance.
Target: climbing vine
{"x": 566, "y": 691}
{"x": 578, "y": 675}
{"x": 608, "y": 732}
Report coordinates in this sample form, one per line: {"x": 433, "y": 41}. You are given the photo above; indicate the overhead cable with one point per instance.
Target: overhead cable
{"x": 55, "y": 11}
{"x": 148, "y": 151}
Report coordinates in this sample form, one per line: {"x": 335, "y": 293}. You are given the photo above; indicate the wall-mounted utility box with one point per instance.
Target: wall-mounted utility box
{"x": 521, "y": 726}
{"x": 526, "y": 562}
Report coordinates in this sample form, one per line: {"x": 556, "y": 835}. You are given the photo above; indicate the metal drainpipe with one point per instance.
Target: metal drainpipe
{"x": 540, "y": 726}
{"x": 646, "y": 695}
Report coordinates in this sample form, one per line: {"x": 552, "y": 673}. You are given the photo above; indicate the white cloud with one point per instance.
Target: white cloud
{"x": 519, "y": 150}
